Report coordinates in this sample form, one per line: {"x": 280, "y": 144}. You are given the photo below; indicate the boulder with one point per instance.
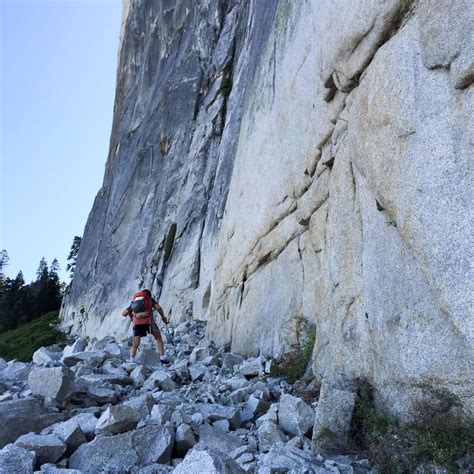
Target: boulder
{"x": 87, "y": 422}
{"x": 254, "y": 408}
{"x": 14, "y": 373}
{"x": 79, "y": 345}
{"x": 208, "y": 461}
{"x": 148, "y": 357}
{"x": 18, "y": 417}
{"x": 86, "y": 380}
{"x": 200, "y": 353}
{"x": 102, "y": 395}
{"x": 185, "y": 439}
{"x": 53, "y": 469}
{"x": 69, "y": 432}
{"x": 334, "y": 413}
{"x": 138, "y": 375}
{"x": 153, "y": 469}
{"x": 197, "y": 372}
{"x": 251, "y": 367}
{"x": 44, "y": 356}
{"x": 143, "y": 404}
{"x": 92, "y": 358}
{"x": 291, "y": 459}
{"x": 16, "y": 460}
{"x": 117, "y": 419}
{"x": 214, "y": 438}
{"x": 295, "y": 417}
{"x": 268, "y": 436}
{"x": 214, "y": 412}
{"x": 271, "y": 415}
{"x": 159, "y": 379}
{"x": 48, "y": 448}
{"x": 54, "y": 382}
{"x": 230, "y": 360}
{"x": 120, "y": 453}
{"x": 180, "y": 368}
{"x": 161, "y": 413}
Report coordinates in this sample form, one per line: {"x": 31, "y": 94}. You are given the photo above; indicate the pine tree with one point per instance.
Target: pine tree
{"x": 72, "y": 257}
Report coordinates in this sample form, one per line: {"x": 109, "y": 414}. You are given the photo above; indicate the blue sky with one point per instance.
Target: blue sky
{"x": 58, "y": 64}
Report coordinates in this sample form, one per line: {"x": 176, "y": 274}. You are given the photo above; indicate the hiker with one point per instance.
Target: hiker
{"x": 140, "y": 312}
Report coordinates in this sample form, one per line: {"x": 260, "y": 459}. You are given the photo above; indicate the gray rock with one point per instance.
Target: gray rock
{"x": 159, "y": 379}
{"x": 334, "y": 413}
{"x": 48, "y": 448}
{"x": 92, "y": 358}
{"x": 55, "y": 382}
{"x": 138, "y": 376}
{"x": 53, "y": 469}
{"x": 102, "y": 395}
{"x": 70, "y": 432}
{"x": 87, "y": 422}
{"x": 268, "y": 436}
{"x": 180, "y": 368}
{"x": 148, "y": 358}
{"x": 214, "y": 412}
{"x": 161, "y": 413}
{"x": 185, "y": 439}
{"x": 102, "y": 379}
{"x": 208, "y": 461}
{"x": 14, "y": 373}
{"x": 214, "y": 438}
{"x": 223, "y": 425}
{"x": 117, "y": 419}
{"x": 294, "y": 416}
{"x": 18, "y": 417}
{"x": 44, "y": 356}
{"x": 153, "y": 469}
{"x": 254, "y": 408}
{"x": 138, "y": 448}
{"x": 197, "y": 372}
{"x": 271, "y": 415}
{"x": 291, "y": 459}
{"x": 251, "y": 367}
{"x": 79, "y": 345}
{"x": 143, "y": 404}
{"x": 200, "y": 353}
{"x": 230, "y": 360}
{"x": 16, "y": 460}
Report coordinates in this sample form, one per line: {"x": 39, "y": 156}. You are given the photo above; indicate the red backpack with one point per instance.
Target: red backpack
{"x": 142, "y": 306}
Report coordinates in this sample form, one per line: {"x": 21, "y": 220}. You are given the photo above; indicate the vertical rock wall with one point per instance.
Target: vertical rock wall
{"x": 276, "y": 166}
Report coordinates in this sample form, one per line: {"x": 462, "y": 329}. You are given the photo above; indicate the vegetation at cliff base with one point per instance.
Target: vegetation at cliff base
{"x": 293, "y": 365}
{"x": 443, "y": 438}
{"x": 21, "y": 303}
{"x": 22, "y": 342}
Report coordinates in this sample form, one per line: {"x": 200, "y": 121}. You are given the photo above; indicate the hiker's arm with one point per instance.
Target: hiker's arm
{"x": 162, "y": 314}
{"x": 126, "y": 312}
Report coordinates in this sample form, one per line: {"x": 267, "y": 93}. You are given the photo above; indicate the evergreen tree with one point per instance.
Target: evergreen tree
{"x": 72, "y": 257}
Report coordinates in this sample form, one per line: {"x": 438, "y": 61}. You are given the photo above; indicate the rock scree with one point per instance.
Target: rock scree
{"x": 223, "y": 422}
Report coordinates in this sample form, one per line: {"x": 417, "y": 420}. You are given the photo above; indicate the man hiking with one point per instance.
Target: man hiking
{"x": 140, "y": 312}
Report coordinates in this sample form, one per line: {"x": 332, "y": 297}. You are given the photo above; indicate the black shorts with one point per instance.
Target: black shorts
{"x": 142, "y": 330}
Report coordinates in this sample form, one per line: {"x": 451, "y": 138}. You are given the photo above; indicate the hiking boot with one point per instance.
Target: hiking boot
{"x": 164, "y": 360}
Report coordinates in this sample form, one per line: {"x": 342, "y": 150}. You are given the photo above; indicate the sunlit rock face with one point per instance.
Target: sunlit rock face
{"x": 277, "y": 166}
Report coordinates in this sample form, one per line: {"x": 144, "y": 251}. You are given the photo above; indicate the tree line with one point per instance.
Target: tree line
{"x": 20, "y": 302}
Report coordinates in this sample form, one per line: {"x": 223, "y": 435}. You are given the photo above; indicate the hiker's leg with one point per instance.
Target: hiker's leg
{"x": 135, "y": 344}
{"x": 159, "y": 339}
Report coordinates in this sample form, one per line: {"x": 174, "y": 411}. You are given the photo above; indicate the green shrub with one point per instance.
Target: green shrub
{"x": 293, "y": 365}
{"x": 433, "y": 437}
{"x": 226, "y": 86}
{"x": 22, "y": 342}
{"x": 169, "y": 243}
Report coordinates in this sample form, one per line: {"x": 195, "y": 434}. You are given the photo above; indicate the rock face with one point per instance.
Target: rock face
{"x": 276, "y": 166}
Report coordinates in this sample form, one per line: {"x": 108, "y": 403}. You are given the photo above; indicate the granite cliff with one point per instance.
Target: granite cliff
{"x": 280, "y": 166}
